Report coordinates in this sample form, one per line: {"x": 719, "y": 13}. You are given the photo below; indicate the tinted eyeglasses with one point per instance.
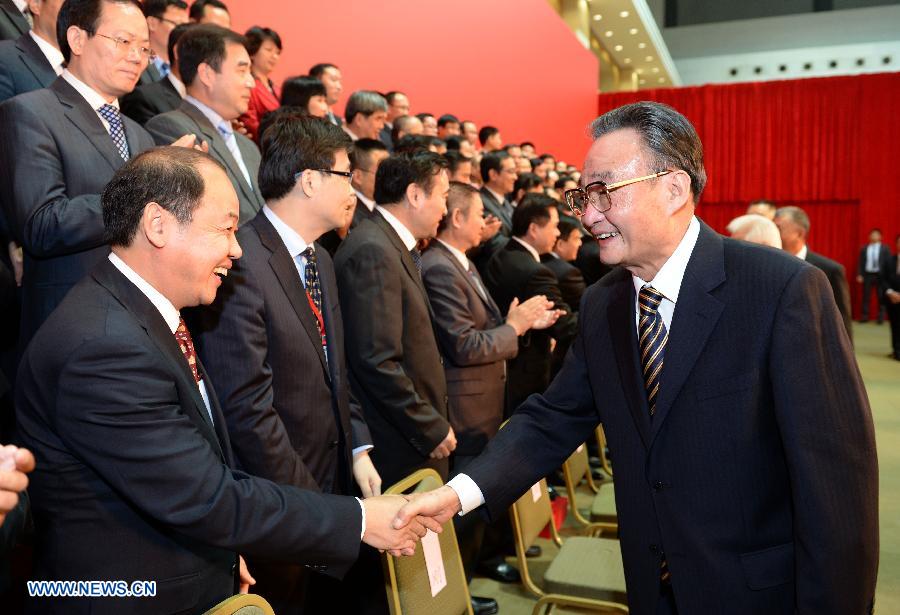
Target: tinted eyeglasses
{"x": 596, "y": 194}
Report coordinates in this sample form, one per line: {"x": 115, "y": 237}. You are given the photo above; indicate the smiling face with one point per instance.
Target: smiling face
{"x": 647, "y": 219}
{"x": 200, "y": 252}
{"x": 266, "y": 58}
{"x": 543, "y": 237}
{"x": 111, "y": 68}
{"x": 229, "y": 88}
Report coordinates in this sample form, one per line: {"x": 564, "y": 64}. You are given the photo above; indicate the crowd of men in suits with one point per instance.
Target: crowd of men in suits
{"x": 237, "y": 315}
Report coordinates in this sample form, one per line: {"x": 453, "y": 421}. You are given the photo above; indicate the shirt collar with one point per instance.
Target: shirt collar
{"x": 802, "y": 253}
{"x": 408, "y": 239}
{"x": 349, "y": 132}
{"x": 177, "y": 84}
{"x": 294, "y": 243}
{"x": 220, "y": 123}
{"x": 362, "y": 198}
{"x": 530, "y": 248}
{"x": 53, "y": 55}
{"x": 94, "y": 98}
{"x": 500, "y": 198}
{"x": 22, "y": 5}
{"x": 165, "y": 307}
{"x": 459, "y": 254}
{"x": 668, "y": 279}
{"x": 161, "y": 64}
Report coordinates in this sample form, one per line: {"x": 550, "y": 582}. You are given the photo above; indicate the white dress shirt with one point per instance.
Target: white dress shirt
{"x": 458, "y": 254}
{"x": 296, "y": 246}
{"x": 362, "y": 198}
{"x": 530, "y": 248}
{"x": 872, "y": 257}
{"x": 802, "y": 253}
{"x": 406, "y": 236}
{"x": 166, "y": 309}
{"x": 94, "y": 98}
{"x": 53, "y": 55}
{"x": 225, "y": 130}
{"x": 667, "y": 281}
{"x": 177, "y": 84}
{"x": 500, "y": 198}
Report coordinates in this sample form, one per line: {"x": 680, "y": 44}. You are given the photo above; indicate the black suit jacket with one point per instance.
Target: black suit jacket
{"x": 12, "y": 22}
{"x": 482, "y": 254}
{"x": 187, "y": 119}
{"x": 884, "y": 257}
{"x": 151, "y": 99}
{"x": 834, "y": 271}
{"x": 289, "y": 411}
{"x": 475, "y": 343}
{"x": 757, "y": 476}
{"x": 395, "y": 367}
{"x": 571, "y": 282}
{"x": 511, "y": 273}
{"x": 23, "y": 67}
{"x": 134, "y": 479}
{"x": 150, "y": 75}
{"x": 52, "y": 195}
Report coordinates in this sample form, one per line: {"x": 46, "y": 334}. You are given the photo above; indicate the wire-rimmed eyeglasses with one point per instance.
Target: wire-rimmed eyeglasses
{"x": 596, "y": 194}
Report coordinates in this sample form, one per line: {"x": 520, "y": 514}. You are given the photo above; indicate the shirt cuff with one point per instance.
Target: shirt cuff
{"x": 363, "y": 509}
{"x": 362, "y": 449}
{"x": 469, "y": 494}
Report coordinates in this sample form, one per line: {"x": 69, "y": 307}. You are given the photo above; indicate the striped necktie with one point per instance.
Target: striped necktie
{"x": 652, "y": 340}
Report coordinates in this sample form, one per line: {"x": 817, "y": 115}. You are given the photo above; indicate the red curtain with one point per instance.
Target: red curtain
{"x": 827, "y": 145}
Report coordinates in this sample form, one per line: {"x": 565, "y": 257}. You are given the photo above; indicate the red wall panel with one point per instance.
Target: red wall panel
{"x": 510, "y": 63}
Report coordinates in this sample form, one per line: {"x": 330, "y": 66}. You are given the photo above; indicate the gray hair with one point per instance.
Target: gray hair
{"x": 755, "y": 229}
{"x": 667, "y": 135}
{"x": 365, "y": 102}
{"x": 795, "y": 215}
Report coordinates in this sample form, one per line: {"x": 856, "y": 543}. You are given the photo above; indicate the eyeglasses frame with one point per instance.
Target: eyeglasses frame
{"x": 569, "y": 195}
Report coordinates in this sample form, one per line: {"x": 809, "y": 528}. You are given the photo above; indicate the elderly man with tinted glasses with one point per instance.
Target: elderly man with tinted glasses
{"x": 735, "y": 493}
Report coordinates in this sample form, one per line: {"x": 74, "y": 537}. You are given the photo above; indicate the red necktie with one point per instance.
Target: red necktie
{"x": 183, "y": 337}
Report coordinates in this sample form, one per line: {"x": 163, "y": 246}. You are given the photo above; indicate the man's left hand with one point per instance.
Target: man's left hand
{"x": 366, "y": 475}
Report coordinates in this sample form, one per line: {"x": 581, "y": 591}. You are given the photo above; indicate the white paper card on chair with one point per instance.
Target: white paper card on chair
{"x": 536, "y": 491}
{"x": 579, "y": 449}
{"x": 434, "y": 563}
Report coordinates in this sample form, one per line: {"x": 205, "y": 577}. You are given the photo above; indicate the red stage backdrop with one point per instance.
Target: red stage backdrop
{"x": 513, "y": 64}
{"x": 827, "y": 145}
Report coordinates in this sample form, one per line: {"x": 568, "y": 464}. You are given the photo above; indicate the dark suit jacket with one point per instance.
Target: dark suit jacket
{"x": 588, "y": 261}
{"x": 150, "y": 75}
{"x": 134, "y": 480}
{"x": 511, "y": 273}
{"x": 482, "y": 254}
{"x": 571, "y": 282}
{"x": 892, "y": 276}
{"x": 149, "y": 100}
{"x": 12, "y": 22}
{"x": 757, "y": 476}
{"x": 834, "y": 271}
{"x": 475, "y": 344}
{"x": 186, "y": 119}
{"x": 385, "y": 137}
{"x": 23, "y": 67}
{"x": 52, "y": 195}
{"x": 884, "y": 257}
{"x": 256, "y": 340}
{"x": 395, "y": 367}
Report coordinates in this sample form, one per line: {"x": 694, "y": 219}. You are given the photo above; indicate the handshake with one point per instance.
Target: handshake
{"x": 395, "y": 523}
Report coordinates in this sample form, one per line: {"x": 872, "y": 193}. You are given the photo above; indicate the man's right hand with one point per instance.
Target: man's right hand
{"x": 381, "y": 512}
{"x": 15, "y": 463}
{"x": 190, "y": 140}
{"x": 446, "y": 447}
{"x": 491, "y": 227}
{"x": 523, "y": 316}
{"x": 438, "y": 505}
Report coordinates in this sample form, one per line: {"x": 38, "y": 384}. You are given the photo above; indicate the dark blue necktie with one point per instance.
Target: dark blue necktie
{"x": 116, "y": 130}
{"x": 417, "y": 259}
{"x": 652, "y": 342}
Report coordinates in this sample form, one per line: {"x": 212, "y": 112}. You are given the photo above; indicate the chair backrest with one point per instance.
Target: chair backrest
{"x": 578, "y": 465}
{"x": 531, "y": 514}
{"x": 242, "y": 604}
{"x": 411, "y": 590}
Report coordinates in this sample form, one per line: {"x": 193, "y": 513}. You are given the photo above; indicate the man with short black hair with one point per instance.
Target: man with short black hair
{"x": 448, "y": 126}
{"x": 162, "y": 17}
{"x": 152, "y": 99}
{"x": 365, "y": 157}
{"x": 429, "y": 124}
{"x": 459, "y": 168}
{"x": 215, "y": 67}
{"x": 528, "y": 150}
{"x": 331, "y": 77}
{"x": 365, "y": 115}
{"x": 793, "y": 225}
{"x": 874, "y": 259}
{"x": 276, "y": 316}
{"x": 490, "y": 139}
{"x": 75, "y": 138}
{"x": 398, "y": 106}
{"x": 498, "y": 172}
{"x": 212, "y": 12}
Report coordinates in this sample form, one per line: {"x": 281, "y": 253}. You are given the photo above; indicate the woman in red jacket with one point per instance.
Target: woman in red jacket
{"x": 264, "y": 47}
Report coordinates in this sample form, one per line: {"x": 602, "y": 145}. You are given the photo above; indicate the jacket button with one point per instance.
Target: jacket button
{"x": 654, "y": 548}
{"x": 333, "y": 444}
{"x": 658, "y": 485}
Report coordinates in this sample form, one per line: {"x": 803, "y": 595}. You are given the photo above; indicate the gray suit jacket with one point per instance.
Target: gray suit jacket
{"x": 12, "y": 22}
{"x": 52, "y": 194}
{"x": 255, "y": 340}
{"x": 475, "y": 342}
{"x": 23, "y": 67}
{"x": 395, "y": 367}
{"x": 149, "y": 100}
{"x": 150, "y": 75}
{"x": 187, "y": 119}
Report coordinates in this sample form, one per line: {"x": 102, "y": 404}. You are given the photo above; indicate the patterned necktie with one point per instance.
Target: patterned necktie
{"x": 653, "y": 337}
{"x": 183, "y": 337}
{"x": 314, "y": 290}
{"x": 116, "y": 130}
{"x": 417, "y": 259}
{"x": 164, "y": 70}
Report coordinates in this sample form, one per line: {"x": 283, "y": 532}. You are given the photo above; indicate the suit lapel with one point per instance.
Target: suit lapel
{"x": 696, "y": 315}
{"x": 15, "y": 16}
{"x": 86, "y": 121}
{"x": 246, "y": 147}
{"x": 405, "y": 257}
{"x": 468, "y": 277}
{"x": 496, "y": 207}
{"x": 35, "y": 60}
{"x": 153, "y": 323}
{"x": 621, "y": 317}
{"x": 286, "y": 271}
